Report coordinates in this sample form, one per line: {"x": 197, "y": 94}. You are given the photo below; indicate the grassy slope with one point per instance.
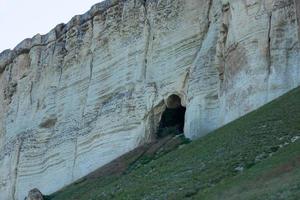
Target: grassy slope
{"x": 254, "y": 157}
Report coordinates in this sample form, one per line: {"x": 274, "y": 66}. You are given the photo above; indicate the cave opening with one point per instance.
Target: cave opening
{"x": 172, "y": 119}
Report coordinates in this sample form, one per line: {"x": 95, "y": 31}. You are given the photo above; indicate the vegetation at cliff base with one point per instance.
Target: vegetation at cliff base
{"x": 254, "y": 157}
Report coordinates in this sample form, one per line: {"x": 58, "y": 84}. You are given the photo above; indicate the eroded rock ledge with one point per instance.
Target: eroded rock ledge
{"x": 7, "y": 56}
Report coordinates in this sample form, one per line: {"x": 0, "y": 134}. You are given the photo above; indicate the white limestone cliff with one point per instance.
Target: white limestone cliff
{"x": 95, "y": 88}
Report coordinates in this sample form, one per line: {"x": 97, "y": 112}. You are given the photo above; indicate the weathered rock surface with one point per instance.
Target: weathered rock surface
{"x": 34, "y": 194}
{"x": 94, "y": 89}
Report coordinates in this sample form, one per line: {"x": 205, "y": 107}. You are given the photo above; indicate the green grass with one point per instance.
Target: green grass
{"x": 254, "y": 157}
{"x": 278, "y": 177}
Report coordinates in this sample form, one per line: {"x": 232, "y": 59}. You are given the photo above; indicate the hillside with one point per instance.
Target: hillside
{"x": 254, "y": 157}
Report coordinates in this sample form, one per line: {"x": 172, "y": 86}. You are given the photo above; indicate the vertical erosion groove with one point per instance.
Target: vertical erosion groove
{"x": 30, "y": 93}
{"x": 91, "y": 69}
{"x": 60, "y": 74}
{"x": 92, "y": 54}
{"x": 18, "y": 156}
{"x": 268, "y": 55}
{"x": 208, "y": 12}
{"x": 75, "y": 157}
{"x": 297, "y": 13}
{"x": 204, "y": 36}
{"x": 206, "y": 27}
{"x": 64, "y": 53}
{"x": 269, "y": 60}
{"x": 148, "y": 33}
{"x": 91, "y": 66}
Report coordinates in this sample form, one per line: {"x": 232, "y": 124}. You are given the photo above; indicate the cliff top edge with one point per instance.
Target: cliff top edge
{"x": 8, "y": 55}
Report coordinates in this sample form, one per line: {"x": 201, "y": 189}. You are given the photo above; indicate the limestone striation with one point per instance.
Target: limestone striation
{"x": 95, "y": 88}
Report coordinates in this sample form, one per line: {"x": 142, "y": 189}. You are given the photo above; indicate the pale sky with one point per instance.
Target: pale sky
{"x": 20, "y": 19}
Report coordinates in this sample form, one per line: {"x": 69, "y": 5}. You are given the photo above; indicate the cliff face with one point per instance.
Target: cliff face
{"x": 95, "y": 88}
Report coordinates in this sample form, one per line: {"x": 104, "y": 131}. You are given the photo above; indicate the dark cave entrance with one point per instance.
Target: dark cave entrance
{"x": 172, "y": 120}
